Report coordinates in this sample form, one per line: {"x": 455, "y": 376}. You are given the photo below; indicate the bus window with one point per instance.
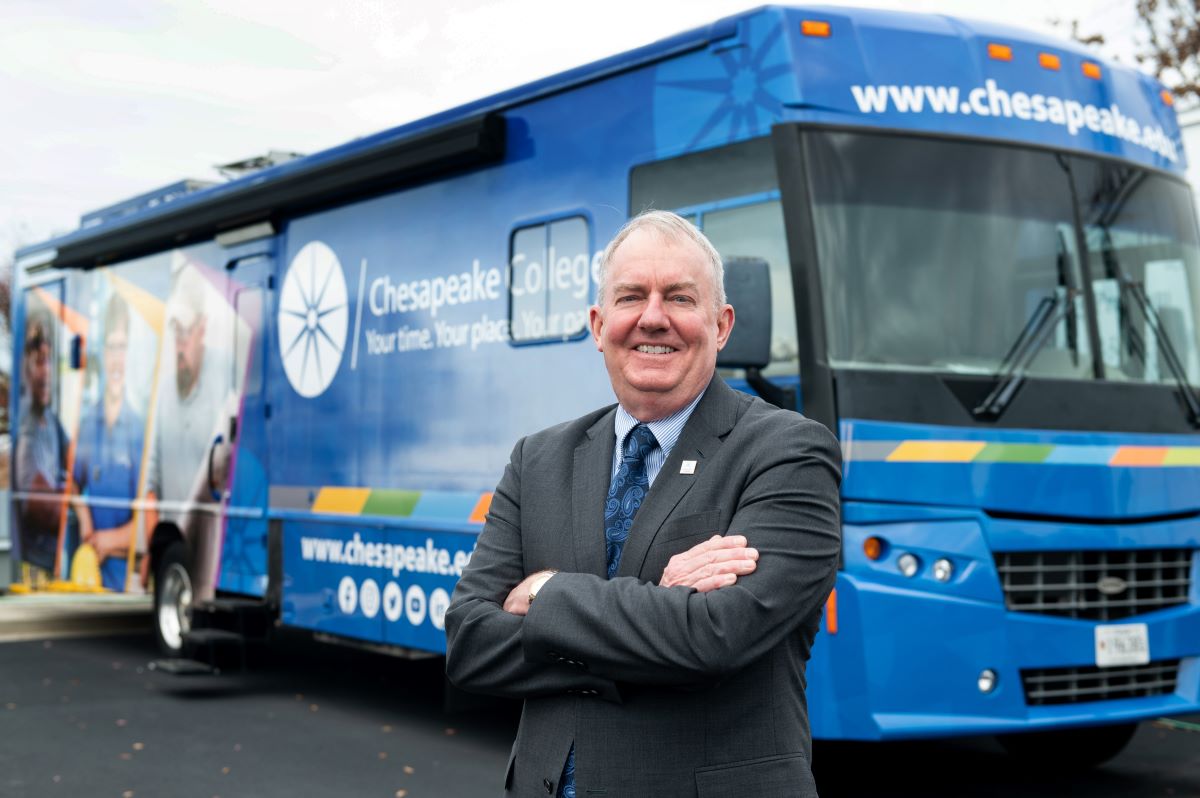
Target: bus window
{"x": 550, "y": 281}
{"x": 757, "y": 230}
{"x": 1141, "y": 238}
{"x": 731, "y": 193}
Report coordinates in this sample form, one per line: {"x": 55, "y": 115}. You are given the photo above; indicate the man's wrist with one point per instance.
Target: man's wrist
{"x": 539, "y": 583}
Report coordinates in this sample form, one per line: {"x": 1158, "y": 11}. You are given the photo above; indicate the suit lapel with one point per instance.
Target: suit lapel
{"x": 701, "y": 439}
{"x": 592, "y": 472}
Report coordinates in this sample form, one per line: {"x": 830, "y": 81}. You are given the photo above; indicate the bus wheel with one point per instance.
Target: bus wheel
{"x": 1075, "y": 749}
{"x": 172, "y": 600}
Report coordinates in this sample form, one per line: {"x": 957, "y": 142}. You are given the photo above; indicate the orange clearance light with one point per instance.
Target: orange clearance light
{"x": 873, "y": 548}
{"x": 1000, "y": 52}
{"x": 1049, "y": 61}
{"x": 1091, "y": 70}
{"x": 1167, "y": 97}
{"x": 812, "y": 27}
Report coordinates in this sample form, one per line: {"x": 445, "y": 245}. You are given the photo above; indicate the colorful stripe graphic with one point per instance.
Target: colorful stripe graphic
{"x": 433, "y": 505}
{"x": 926, "y": 451}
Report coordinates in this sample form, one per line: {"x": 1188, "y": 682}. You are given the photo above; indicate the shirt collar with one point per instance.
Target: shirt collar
{"x": 666, "y": 430}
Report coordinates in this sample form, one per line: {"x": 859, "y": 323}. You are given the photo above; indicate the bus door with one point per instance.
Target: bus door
{"x": 243, "y": 452}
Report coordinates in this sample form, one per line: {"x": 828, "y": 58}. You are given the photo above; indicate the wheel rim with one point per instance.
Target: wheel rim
{"x": 175, "y": 605}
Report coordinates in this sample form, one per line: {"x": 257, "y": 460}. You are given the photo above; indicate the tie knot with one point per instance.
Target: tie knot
{"x": 639, "y": 443}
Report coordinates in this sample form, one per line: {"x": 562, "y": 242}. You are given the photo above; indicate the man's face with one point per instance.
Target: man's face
{"x": 189, "y": 354}
{"x": 115, "y": 345}
{"x": 659, "y": 327}
{"x": 37, "y": 368}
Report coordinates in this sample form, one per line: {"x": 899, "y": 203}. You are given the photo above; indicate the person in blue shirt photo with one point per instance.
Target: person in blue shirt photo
{"x": 108, "y": 457}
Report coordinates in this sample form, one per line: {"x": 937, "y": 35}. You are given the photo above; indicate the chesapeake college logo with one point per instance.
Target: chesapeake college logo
{"x": 313, "y": 316}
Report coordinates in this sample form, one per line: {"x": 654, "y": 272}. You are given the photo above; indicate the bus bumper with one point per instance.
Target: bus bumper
{"x": 906, "y": 663}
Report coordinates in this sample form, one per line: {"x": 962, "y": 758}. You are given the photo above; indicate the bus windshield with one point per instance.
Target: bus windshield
{"x": 935, "y": 255}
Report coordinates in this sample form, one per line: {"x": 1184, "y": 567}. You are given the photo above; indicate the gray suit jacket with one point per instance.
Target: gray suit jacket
{"x": 664, "y": 691}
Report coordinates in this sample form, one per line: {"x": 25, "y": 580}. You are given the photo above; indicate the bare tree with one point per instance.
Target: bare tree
{"x": 1172, "y": 44}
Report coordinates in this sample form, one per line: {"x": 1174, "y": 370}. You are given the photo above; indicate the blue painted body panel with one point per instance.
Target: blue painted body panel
{"x": 431, "y": 398}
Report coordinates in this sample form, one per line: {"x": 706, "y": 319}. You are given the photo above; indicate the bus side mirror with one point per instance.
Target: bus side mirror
{"x": 78, "y": 359}
{"x": 748, "y": 289}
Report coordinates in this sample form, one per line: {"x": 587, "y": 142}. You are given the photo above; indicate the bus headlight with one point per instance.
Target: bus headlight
{"x": 943, "y": 569}
{"x": 908, "y": 564}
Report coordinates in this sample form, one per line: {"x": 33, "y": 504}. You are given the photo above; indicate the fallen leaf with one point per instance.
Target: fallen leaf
{"x": 138, "y": 746}
{"x": 121, "y": 722}
{"x": 125, "y": 755}
{"x": 409, "y": 770}
{"x": 401, "y": 793}
{"x": 225, "y": 771}
{"x": 451, "y": 732}
{"x": 383, "y": 754}
{"x": 312, "y": 707}
{"x": 127, "y": 794}
{"x": 385, "y": 729}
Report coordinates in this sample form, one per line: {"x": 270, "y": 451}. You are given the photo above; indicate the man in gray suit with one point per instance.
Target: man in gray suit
{"x": 651, "y": 576}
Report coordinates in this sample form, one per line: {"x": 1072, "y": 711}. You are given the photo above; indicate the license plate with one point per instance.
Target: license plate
{"x": 1126, "y": 644}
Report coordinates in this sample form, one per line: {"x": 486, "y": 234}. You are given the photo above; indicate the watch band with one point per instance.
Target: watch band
{"x": 536, "y": 586}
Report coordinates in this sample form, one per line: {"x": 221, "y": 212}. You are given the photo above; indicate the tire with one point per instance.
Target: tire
{"x": 172, "y": 600}
{"x": 1069, "y": 749}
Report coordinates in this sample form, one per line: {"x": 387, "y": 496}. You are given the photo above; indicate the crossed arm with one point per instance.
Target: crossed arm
{"x": 716, "y": 608}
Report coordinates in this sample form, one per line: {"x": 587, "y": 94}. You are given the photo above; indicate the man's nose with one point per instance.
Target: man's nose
{"x": 654, "y": 315}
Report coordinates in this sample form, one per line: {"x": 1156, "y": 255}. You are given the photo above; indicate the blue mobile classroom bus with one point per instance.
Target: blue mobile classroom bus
{"x": 294, "y": 391}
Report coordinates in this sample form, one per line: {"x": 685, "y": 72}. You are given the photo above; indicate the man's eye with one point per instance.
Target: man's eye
{"x": 682, "y": 299}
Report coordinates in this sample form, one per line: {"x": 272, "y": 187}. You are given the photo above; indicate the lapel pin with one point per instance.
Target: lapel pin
{"x": 688, "y": 467}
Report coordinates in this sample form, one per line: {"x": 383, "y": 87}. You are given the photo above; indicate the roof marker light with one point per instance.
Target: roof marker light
{"x": 999, "y": 52}
{"x": 812, "y": 27}
{"x": 1049, "y": 61}
{"x": 1167, "y": 97}
{"x": 1091, "y": 70}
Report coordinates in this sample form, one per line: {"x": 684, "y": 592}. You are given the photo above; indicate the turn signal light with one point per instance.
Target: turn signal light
{"x": 812, "y": 27}
{"x": 873, "y": 547}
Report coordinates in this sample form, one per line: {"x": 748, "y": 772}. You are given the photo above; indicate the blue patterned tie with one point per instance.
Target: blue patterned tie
{"x": 626, "y": 493}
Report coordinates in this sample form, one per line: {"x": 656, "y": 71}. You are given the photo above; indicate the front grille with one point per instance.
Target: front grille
{"x": 1068, "y": 583}
{"x": 1077, "y": 685}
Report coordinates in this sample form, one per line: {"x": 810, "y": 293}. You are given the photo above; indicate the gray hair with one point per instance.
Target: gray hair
{"x": 673, "y": 228}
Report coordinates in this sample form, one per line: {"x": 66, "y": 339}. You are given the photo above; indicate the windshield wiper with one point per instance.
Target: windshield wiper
{"x": 1135, "y": 291}
{"x": 1130, "y": 289}
{"x": 1015, "y": 365}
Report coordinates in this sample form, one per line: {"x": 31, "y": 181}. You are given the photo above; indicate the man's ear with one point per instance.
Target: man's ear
{"x": 596, "y": 322}
{"x": 724, "y": 325}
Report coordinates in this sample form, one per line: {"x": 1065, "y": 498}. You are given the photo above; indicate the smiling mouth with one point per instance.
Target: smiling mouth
{"x": 646, "y": 349}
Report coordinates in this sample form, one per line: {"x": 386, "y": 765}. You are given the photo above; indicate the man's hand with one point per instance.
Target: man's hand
{"x": 518, "y": 598}
{"x": 715, "y": 563}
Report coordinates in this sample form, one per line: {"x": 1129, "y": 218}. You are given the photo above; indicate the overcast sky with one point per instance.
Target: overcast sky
{"x": 105, "y": 100}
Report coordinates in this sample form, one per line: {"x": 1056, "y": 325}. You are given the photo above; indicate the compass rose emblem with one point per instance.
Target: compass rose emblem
{"x": 313, "y": 316}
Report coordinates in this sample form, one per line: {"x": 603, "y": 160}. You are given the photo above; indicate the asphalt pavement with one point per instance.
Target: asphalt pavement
{"x": 85, "y": 716}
